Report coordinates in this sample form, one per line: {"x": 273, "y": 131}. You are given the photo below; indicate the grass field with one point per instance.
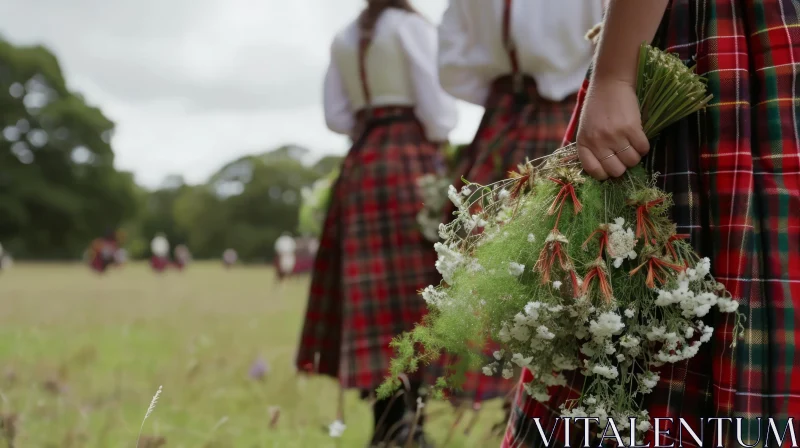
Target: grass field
{"x": 81, "y": 357}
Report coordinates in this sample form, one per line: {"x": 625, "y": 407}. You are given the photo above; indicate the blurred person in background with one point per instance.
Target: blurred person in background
{"x": 102, "y": 251}
{"x": 159, "y": 248}
{"x": 285, "y": 255}
{"x": 5, "y": 259}
{"x": 182, "y": 256}
{"x": 382, "y": 90}
{"x": 120, "y": 257}
{"x": 524, "y": 62}
{"x": 229, "y": 258}
{"x": 305, "y": 253}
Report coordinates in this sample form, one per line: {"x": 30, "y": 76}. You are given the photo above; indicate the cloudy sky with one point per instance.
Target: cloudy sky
{"x": 193, "y": 84}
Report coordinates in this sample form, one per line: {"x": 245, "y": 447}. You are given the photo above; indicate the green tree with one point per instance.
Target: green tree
{"x": 58, "y": 185}
{"x": 246, "y": 205}
{"x": 327, "y": 164}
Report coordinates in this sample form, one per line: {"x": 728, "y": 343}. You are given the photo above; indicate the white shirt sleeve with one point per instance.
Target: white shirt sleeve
{"x": 339, "y": 115}
{"x": 434, "y": 107}
{"x": 457, "y": 77}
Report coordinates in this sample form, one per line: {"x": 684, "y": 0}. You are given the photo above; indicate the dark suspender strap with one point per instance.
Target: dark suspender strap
{"x": 511, "y": 49}
{"x": 363, "y": 46}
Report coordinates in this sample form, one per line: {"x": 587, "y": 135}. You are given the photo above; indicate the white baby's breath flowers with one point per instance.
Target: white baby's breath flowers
{"x": 474, "y": 222}
{"x": 621, "y": 242}
{"x": 561, "y": 362}
{"x": 543, "y": 332}
{"x": 555, "y": 309}
{"x": 647, "y": 381}
{"x": 629, "y": 341}
{"x": 557, "y": 284}
{"x": 454, "y": 197}
{"x": 576, "y": 412}
{"x": 516, "y": 269}
{"x": 449, "y": 260}
{"x": 336, "y": 429}
{"x": 532, "y": 310}
{"x": 520, "y": 360}
{"x": 531, "y": 238}
{"x": 504, "y": 334}
{"x": 707, "y": 332}
{"x": 606, "y": 325}
{"x": 726, "y": 305}
{"x": 435, "y": 297}
{"x": 521, "y": 332}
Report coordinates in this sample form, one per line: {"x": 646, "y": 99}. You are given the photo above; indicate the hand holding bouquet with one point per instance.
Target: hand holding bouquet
{"x": 572, "y": 275}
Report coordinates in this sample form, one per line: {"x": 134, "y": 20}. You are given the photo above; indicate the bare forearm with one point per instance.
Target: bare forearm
{"x": 628, "y": 23}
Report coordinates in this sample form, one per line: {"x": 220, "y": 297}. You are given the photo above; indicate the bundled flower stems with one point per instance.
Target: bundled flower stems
{"x": 571, "y": 275}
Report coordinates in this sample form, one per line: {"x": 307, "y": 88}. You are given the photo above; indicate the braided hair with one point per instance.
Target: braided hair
{"x": 369, "y": 17}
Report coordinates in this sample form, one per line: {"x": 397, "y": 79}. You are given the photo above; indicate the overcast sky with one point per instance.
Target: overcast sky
{"x": 192, "y": 84}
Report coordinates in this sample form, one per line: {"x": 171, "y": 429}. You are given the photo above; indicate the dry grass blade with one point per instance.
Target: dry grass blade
{"x": 150, "y": 410}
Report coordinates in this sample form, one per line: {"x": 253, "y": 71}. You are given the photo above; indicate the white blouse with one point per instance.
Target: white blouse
{"x": 401, "y": 71}
{"x": 548, "y": 34}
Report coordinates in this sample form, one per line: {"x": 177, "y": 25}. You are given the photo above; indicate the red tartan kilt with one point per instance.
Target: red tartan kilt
{"x": 159, "y": 264}
{"x": 511, "y": 132}
{"x": 372, "y": 259}
{"x": 304, "y": 264}
{"x": 732, "y": 172}
{"x": 98, "y": 264}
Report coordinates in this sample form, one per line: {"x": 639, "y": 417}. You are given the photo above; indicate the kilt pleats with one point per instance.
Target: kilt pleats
{"x": 372, "y": 259}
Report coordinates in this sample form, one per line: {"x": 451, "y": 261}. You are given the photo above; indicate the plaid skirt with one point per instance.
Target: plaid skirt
{"x": 734, "y": 173}
{"x": 514, "y": 128}
{"x": 372, "y": 259}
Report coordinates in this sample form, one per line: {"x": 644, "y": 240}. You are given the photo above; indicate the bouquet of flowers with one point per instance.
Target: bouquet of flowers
{"x": 434, "y": 195}
{"x": 571, "y": 275}
{"x": 314, "y": 205}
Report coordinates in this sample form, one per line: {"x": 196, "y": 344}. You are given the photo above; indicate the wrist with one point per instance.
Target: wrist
{"x": 614, "y": 78}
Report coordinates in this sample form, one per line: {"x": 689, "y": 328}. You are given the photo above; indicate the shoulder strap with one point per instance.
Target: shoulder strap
{"x": 364, "y": 42}
{"x": 510, "y": 47}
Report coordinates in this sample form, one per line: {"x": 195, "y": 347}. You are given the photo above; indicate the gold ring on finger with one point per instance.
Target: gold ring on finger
{"x": 615, "y": 153}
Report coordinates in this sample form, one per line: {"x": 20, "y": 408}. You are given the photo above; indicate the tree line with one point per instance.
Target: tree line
{"x": 59, "y": 188}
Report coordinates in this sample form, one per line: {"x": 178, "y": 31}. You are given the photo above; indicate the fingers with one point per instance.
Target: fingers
{"x": 638, "y": 140}
{"x": 604, "y": 163}
{"x": 629, "y": 157}
{"x": 612, "y": 165}
{"x": 590, "y": 163}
